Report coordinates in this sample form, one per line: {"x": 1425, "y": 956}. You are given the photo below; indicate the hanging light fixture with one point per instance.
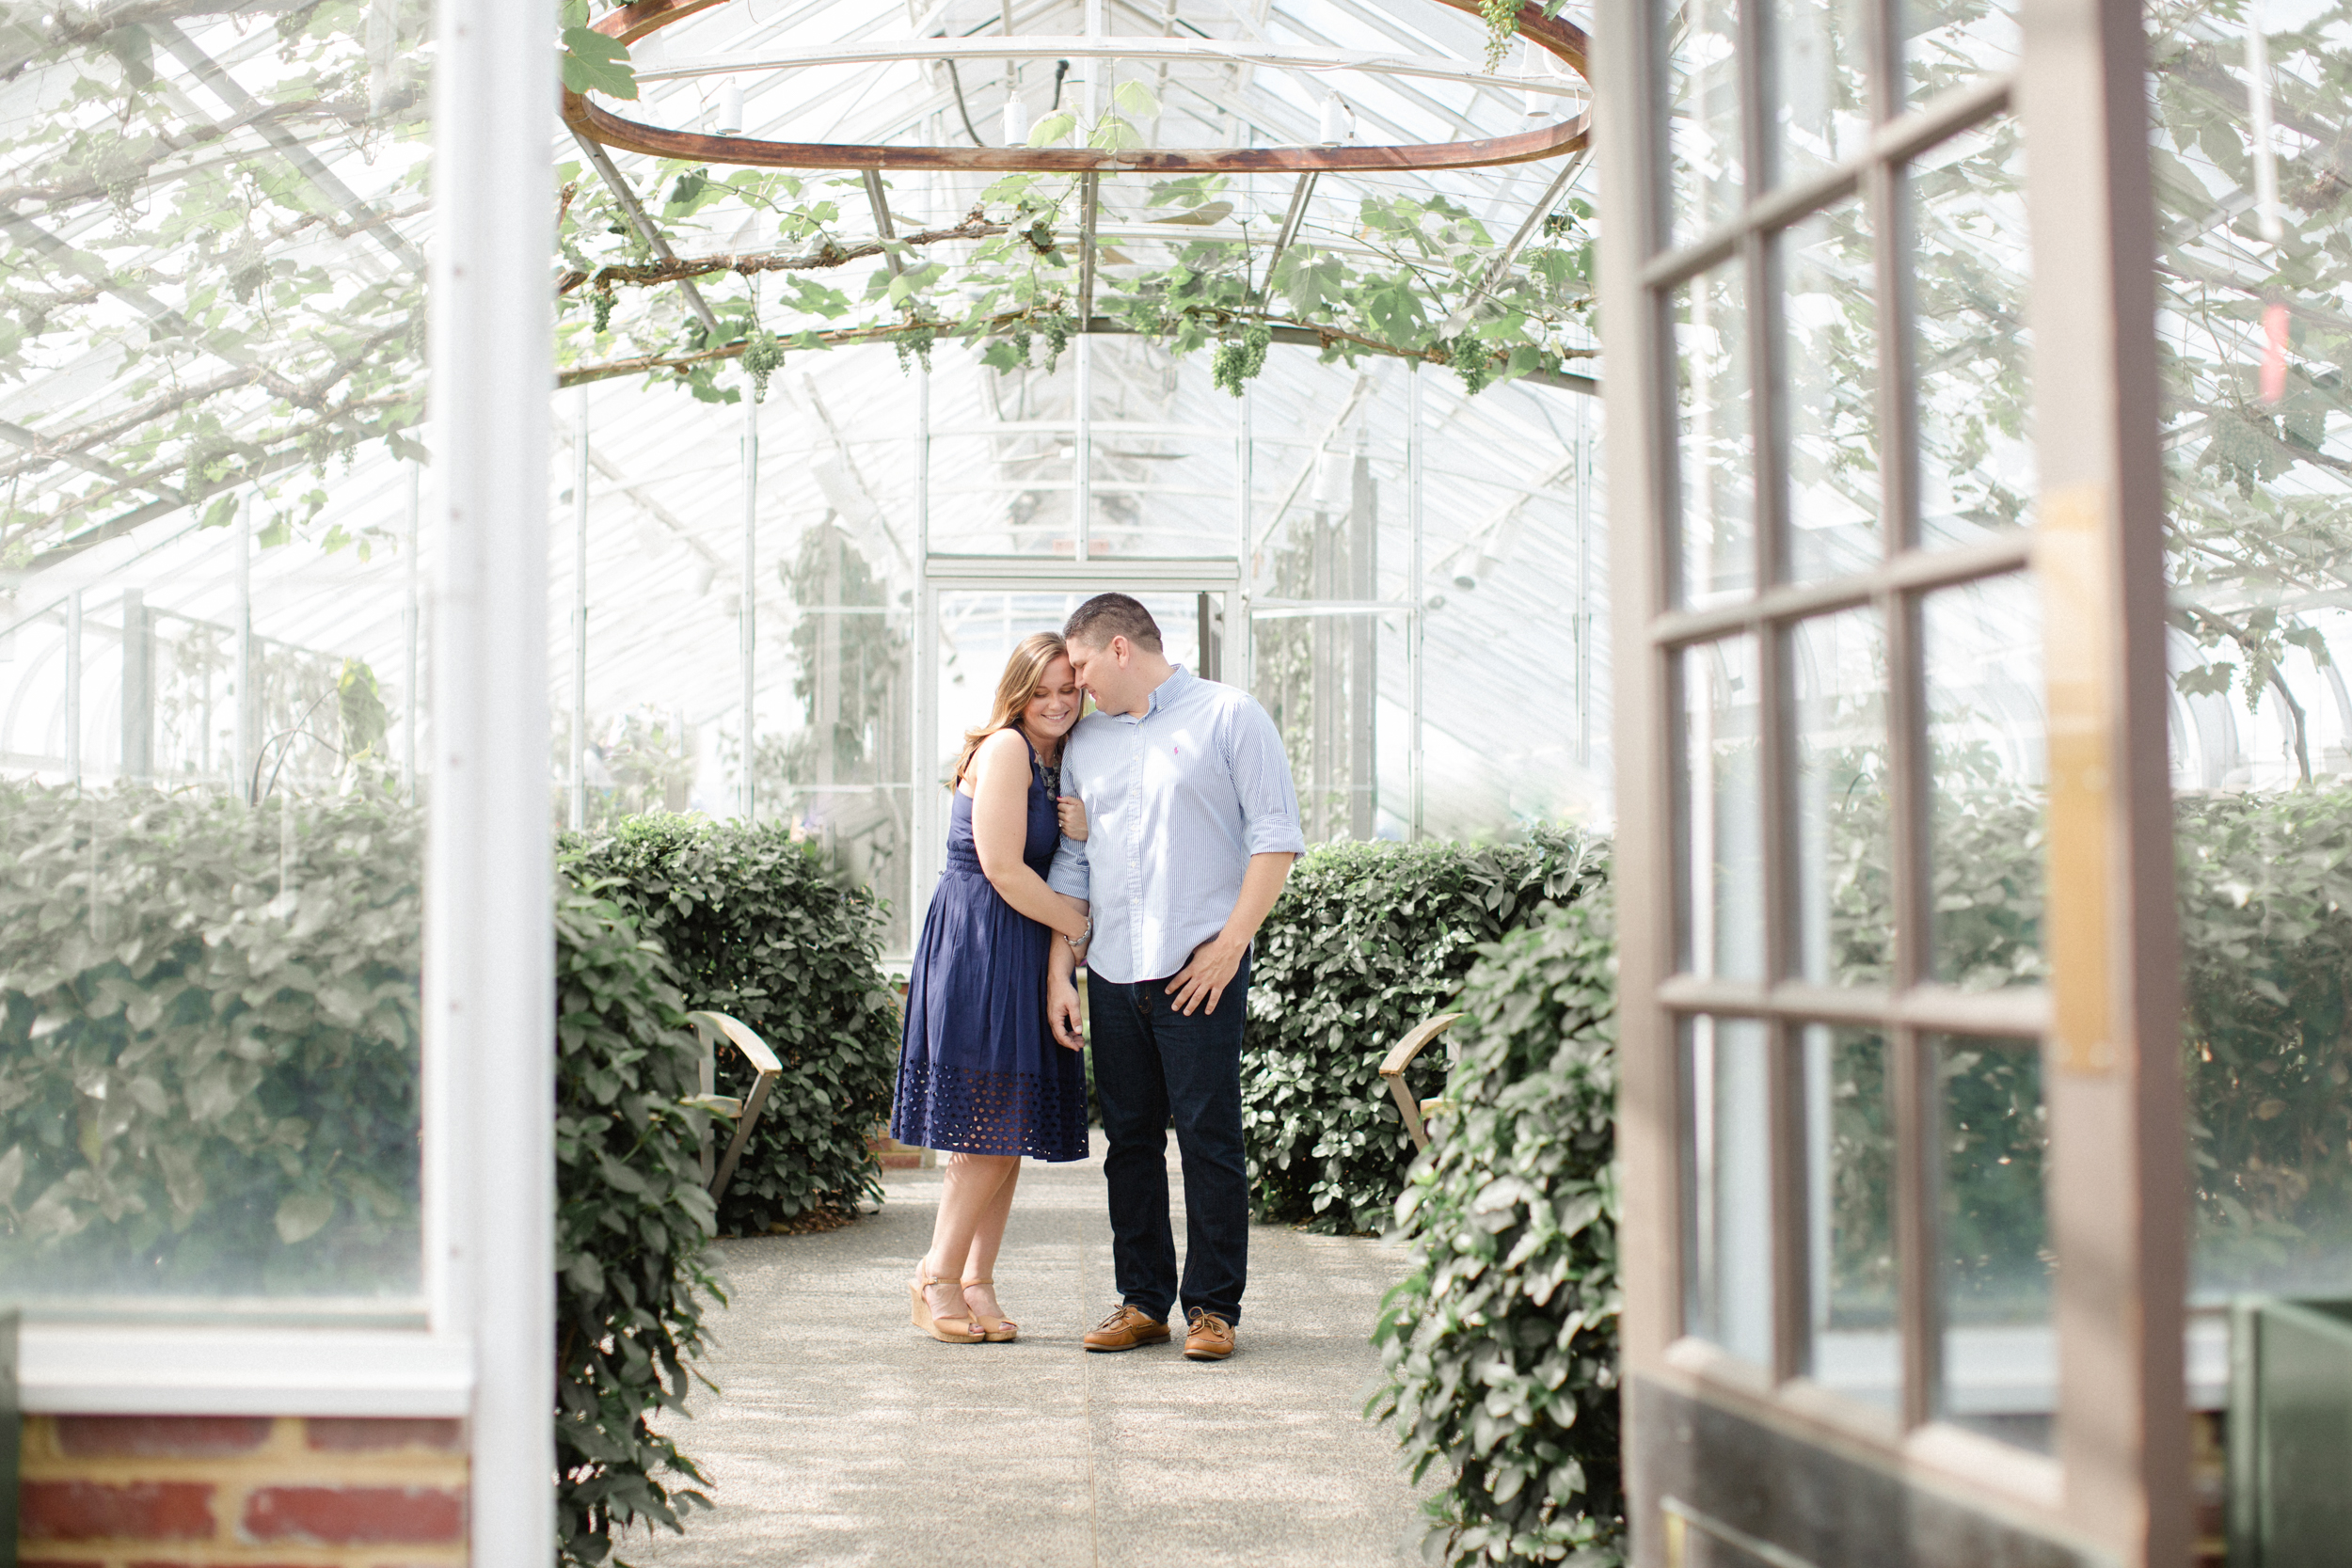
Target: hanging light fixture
{"x": 730, "y": 121}
{"x": 1016, "y": 123}
{"x": 1338, "y": 122}
{"x": 1532, "y": 60}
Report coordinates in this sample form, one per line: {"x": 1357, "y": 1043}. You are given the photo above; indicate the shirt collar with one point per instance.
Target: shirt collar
{"x": 1168, "y": 690}
{"x": 1161, "y": 695}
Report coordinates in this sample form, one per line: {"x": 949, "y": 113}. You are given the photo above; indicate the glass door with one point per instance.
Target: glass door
{"x": 1900, "y": 1123}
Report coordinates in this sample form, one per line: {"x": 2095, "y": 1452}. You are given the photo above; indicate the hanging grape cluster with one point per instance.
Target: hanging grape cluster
{"x": 1503, "y": 18}
{"x": 913, "y": 346}
{"x": 1238, "y": 360}
{"x": 762, "y": 354}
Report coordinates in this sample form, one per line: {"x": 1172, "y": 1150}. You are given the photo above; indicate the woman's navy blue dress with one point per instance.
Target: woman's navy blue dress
{"x": 980, "y": 1072}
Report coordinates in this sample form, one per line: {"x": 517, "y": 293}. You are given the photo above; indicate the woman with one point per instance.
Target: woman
{"x": 980, "y": 1074}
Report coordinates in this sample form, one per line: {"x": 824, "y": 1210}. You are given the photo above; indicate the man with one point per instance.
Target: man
{"x": 1192, "y": 823}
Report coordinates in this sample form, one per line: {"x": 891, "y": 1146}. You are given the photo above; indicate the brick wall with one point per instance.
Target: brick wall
{"x": 242, "y": 1492}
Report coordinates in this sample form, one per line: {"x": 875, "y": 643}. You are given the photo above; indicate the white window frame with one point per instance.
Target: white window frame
{"x": 484, "y": 1352}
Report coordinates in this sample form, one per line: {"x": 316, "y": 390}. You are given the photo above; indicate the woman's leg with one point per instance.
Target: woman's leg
{"x": 968, "y": 1192}
{"x": 980, "y": 1261}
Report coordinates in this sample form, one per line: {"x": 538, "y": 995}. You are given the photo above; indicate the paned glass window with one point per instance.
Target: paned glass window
{"x": 1856, "y": 661}
{"x": 210, "y": 842}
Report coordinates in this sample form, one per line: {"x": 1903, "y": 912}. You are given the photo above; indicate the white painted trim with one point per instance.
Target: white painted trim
{"x": 1213, "y": 51}
{"x": 173, "y": 1370}
{"x": 1031, "y": 573}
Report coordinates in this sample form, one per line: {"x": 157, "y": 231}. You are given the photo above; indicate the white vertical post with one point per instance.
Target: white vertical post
{"x": 578, "y": 815}
{"x": 747, "y": 615}
{"x": 1416, "y": 628}
{"x": 2266, "y": 216}
{"x": 1082, "y": 446}
{"x": 489, "y": 1056}
{"x": 1584, "y": 587}
{"x": 1240, "y": 645}
{"x": 409, "y": 626}
{"x": 922, "y": 795}
{"x": 249, "y": 674}
{"x": 73, "y": 687}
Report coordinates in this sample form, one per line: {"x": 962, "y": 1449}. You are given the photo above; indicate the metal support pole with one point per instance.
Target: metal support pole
{"x": 409, "y": 628}
{"x": 1082, "y": 448}
{"x": 648, "y": 230}
{"x": 1584, "y": 585}
{"x": 138, "y": 689}
{"x": 1082, "y": 494}
{"x": 1416, "y": 628}
{"x": 923, "y": 795}
{"x": 747, "y": 614}
{"x": 73, "y": 687}
{"x": 1238, "y": 634}
{"x": 248, "y": 699}
{"x": 489, "y": 981}
{"x": 579, "y": 813}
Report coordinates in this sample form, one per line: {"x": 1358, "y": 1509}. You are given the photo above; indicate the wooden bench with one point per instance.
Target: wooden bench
{"x": 1401, "y": 1056}
{"x": 712, "y": 1028}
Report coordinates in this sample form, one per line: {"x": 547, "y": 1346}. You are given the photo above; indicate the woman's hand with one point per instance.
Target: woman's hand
{"x": 1072, "y": 813}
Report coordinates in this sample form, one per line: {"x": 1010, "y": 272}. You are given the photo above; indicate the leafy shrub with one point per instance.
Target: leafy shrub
{"x": 632, "y": 1228}
{"x": 2266, "y": 932}
{"x": 208, "y": 1044}
{"x": 758, "y": 929}
{"x": 1500, "y": 1348}
{"x": 1366, "y": 941}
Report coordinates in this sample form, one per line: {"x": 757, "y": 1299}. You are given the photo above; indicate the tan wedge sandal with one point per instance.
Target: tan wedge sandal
{"x": 948, "y": 1331}
{"x": 1003, "y": 1331}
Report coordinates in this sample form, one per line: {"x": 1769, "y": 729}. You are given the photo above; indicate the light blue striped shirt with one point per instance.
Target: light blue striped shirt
{"x": 1177, "y": 801}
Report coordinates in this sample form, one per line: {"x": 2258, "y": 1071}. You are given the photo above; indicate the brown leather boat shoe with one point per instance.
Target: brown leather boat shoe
{"x": 1207, "y": 1337}
{"x": 1124, "y": 1329}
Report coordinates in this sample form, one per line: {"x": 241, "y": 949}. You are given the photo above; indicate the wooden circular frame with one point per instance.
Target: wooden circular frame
{"x": 1564, "y": 40}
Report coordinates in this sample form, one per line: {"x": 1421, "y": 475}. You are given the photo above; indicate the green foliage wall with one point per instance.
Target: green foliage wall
{"x": 1366, "y": 941}
{"x": 632, "y": 1228}
{"x": 1500, "y": 1348}
{"x": 208, "y": 1045}
{"x": 758, "y": 931}
{"x": 2267, "y": 936}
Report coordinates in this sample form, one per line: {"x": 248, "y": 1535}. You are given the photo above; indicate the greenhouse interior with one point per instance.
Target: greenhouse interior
{"x": 1795, "y": 555}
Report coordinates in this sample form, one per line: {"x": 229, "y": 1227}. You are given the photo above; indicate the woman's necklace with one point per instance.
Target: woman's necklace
{"x": 1049, "y": 772}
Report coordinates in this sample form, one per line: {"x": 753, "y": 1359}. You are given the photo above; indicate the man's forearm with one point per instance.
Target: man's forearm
{"x": 1261, "y": 885}
{"x": 1062, "y": 963}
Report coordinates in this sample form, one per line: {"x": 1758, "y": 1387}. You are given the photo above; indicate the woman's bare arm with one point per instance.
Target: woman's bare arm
{"x": 1000, "y": 831}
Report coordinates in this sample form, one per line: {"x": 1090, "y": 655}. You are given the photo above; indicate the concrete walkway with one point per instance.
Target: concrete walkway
{"x": 842, "y": 1435}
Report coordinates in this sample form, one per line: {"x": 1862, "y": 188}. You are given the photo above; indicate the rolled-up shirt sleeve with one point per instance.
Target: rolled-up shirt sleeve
{"x": 1262, "y": 778}
{"x": 1069, "y": 874}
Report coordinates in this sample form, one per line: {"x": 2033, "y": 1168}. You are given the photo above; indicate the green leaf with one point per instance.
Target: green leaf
{"x": 303, "y": 1216}
{"x": 1135, "y": 101}
{"x": 595, "y": 63}
{"x": 1053, "y": 127}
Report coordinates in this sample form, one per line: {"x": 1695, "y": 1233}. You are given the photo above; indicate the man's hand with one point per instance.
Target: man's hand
{"x": 1061, "y": 1013}
{"x": 1206, "y": 976}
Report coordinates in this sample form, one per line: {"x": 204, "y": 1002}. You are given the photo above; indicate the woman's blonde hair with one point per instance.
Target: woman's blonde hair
{"x": 1024, "y": 671}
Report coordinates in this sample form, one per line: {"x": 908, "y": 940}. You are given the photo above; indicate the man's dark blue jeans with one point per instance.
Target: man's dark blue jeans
{"x": 1151, "y": 1062}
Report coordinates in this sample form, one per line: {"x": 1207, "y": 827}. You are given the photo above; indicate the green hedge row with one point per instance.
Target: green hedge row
{"x": 759, "y": 931}
{"x": 1366, "y": 941}
{"x": 208, "y": 1045}
{"x": 1500, "y": 1348}
{"x": 632, "y": 1228}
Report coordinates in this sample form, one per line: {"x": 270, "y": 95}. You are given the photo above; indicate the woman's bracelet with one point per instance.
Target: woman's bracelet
{"x": 1079, "y": 942}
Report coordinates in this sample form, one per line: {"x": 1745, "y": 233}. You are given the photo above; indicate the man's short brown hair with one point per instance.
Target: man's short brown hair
{"x": 1108, "y": 615}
